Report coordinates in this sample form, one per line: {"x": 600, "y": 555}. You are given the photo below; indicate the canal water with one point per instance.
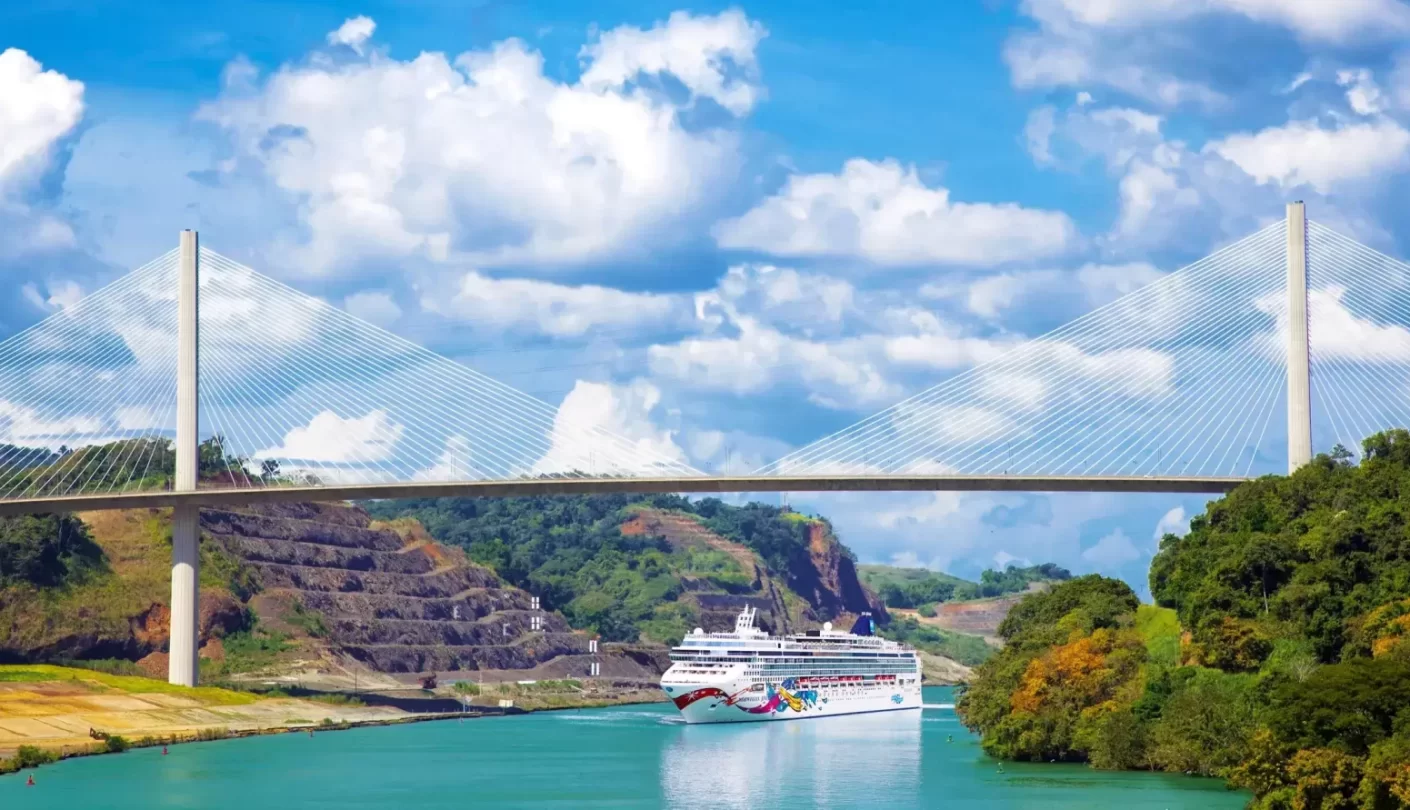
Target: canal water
{"x": 623, "y": 757}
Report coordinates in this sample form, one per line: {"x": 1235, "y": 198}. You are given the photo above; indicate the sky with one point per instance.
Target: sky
{"x": 722, "y": 231}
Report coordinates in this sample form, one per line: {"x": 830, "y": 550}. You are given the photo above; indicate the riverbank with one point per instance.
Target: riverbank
{"x": 60, "y": 712}
{"x": 626, "y": 758}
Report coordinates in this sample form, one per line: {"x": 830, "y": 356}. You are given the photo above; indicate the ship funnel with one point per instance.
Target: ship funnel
{"x": 864, "y": 625}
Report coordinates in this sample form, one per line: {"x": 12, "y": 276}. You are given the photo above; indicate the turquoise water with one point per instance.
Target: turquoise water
{"x": 624, "y": 757}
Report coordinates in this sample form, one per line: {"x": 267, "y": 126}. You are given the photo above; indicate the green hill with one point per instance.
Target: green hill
{"x": 912, "y": 587}
{"x": 1278, "y": 656}
{"x": 653, "y": 568}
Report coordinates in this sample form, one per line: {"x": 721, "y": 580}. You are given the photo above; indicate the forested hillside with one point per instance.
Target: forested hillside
{"x": 1278, "y": 656}
{"x": 629, "y": 567}
{"x": 913, "y": 587}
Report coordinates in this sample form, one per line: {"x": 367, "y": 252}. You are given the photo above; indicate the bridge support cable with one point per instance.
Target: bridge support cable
{"x": 1360, "y": 337}
{"x": 306, "y": 393}
{"x": 87, "y": 395}
{"x": 1179, "y": 377}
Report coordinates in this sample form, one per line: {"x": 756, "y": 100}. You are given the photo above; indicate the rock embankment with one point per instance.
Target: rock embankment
{"x": 387, "y": 595}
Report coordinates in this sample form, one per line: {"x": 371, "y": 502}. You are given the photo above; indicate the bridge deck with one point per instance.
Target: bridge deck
{"x": 590, "y": 486}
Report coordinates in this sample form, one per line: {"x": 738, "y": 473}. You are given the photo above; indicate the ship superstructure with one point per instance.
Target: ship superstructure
{"x": 749, "y": 675}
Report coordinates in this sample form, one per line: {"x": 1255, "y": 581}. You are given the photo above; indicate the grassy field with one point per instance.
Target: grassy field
{"x": 1161, "y": 630}
{"x": 130, "y": 684}
{"x": 47, "y": 712}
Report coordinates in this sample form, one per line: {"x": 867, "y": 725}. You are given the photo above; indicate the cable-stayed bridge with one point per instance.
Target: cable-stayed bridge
{"x": 270, "y": 394}
{"x": 198, "y": 381}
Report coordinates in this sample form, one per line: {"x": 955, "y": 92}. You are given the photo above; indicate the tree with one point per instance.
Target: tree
{"x": 1232, "y": 645}
{"x": 1101, "y": 599}
{"x": 46, "y": 550}
{"x": 1324, "y": 779}
{"x": 1349, "y": 706}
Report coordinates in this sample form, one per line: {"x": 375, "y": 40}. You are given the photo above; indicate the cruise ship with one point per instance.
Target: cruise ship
{"x": 749, "y": 675}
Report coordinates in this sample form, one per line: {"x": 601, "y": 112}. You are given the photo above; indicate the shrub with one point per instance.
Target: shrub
{"x": 926, "y": 610}
{"x": 30, "y": 756}
{"x": 115, "y": 744}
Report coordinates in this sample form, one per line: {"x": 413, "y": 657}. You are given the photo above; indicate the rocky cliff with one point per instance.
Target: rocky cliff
{"x": 324, "y": 585}
{"x": 829, "y": 581}
{"x": 386, "y": 594}
{"x": 821, "y": 587}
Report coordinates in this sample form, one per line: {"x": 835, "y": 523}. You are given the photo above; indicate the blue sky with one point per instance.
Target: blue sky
{"x": 722, "y": 230}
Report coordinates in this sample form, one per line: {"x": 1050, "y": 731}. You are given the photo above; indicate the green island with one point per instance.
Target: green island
{"x": 1277, "y": 655}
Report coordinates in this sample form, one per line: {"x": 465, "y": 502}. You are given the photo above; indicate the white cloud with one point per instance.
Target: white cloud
{"x": 1106, "y": 282}
{"x": 1363, "y": 95}
{"x": 1151, "y": 49}
{"x": 1339, "y": 334}
{"x": 28, "y": 427}
{"x": 949, "y": 423}
{"x": 838, "y": 373}
{"x": 1175, "y": 197}
{"x": 456, "y": 463}
{"x": 767, "y": 326}
{"x": 1112, "y": 552}
{"x": 1046, "y": 371}
{"x": 1304, "y": 153}
{"x": 989, "y": 296}
{"x": 1174, "y": 522}
{"x": 1313, "y": 19}
{"x": 37, "y": 108}
{"x": 1067, "y": 54}
{"x": 485, "y": 158}
{"x": 1400, "y": 81}
{"x": 938, "y": 344}
{"x": 704, "y": 53}
{"x": 1093, "y": 285}
{"x": 57, "y": 295}
{"x": 602, "y": 428}
{"x": 329, "y": 438}
{"x": 137, "y": 418}
{"x": 551, "y": 309}
{"x": 373, "y": 306}
{"x": 882, "y": 212}
{"x": 354, "y": 33}
{"x": 780, "y": 293}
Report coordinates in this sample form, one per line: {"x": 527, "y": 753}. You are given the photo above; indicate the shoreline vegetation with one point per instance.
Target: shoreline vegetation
{"x": 37, "y": 691}
{"x": 1276, "y": 657}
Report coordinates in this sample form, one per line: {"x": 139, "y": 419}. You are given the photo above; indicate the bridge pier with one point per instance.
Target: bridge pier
{"x": 183, "y": 664}
{"x": 1299, "y": 385}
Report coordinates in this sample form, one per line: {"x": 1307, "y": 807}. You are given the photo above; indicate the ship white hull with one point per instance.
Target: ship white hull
{"x": 737, "y": 702}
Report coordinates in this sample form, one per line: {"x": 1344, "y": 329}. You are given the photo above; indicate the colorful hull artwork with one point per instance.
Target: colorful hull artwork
{"x": 775, "y": 700}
